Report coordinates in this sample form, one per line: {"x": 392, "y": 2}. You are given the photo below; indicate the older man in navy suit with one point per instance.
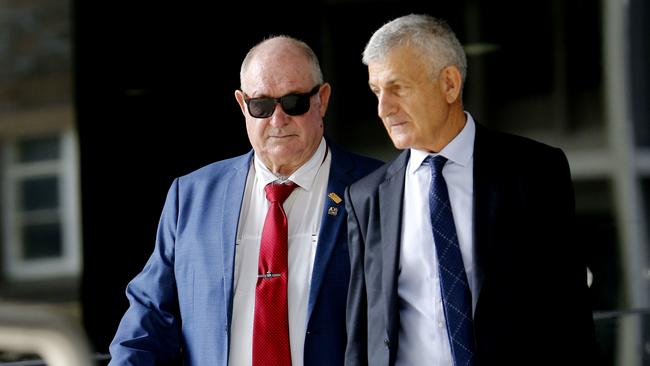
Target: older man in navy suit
{"x": 220, "y": 289}
{"x": 461, "y": 248}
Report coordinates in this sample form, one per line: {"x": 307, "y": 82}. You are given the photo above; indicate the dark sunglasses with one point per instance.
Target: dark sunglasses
{"x": 292, "y": 104}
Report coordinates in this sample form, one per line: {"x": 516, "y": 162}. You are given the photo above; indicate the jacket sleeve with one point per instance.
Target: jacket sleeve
{"x": 149, "y": 332}
{"x": 356, "y": 315}
{"x": 569, "y": 273}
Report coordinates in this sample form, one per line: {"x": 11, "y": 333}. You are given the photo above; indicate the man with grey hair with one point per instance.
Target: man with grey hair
{"x": 461, "y": 248}
{"x": 251, "y": 265}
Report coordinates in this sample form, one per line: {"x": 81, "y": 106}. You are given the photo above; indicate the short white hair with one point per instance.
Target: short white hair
{"x": 432, "y": 36}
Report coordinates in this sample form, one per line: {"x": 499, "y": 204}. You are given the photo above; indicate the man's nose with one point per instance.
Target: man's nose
{"x": 385, "y": 105}
{"x": 279, "y": 118}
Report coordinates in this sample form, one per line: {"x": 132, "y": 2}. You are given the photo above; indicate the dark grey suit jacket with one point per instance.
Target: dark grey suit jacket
{"x": 532, "y": 307}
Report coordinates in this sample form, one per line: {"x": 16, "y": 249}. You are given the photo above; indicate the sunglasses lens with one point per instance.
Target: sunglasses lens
{"x": 292, "y": 104}
{"x": 261, "y": 107}
{"x": 295, "y": 105}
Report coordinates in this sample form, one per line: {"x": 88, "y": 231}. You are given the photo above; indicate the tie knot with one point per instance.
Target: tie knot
{"x": 437, "y": 163}
{"x": 278, "y": 192}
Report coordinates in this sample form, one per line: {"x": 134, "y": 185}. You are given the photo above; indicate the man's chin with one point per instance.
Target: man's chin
{"x": 284, "y": 153}
{"x": 399, "y": 143}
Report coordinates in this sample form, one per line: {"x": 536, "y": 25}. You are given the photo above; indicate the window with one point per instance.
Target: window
{"x": 41, "y": 207}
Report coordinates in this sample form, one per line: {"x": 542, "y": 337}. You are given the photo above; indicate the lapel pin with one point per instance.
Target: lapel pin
{"x": 335, "y": 197}
{"x": 333, "y": 211}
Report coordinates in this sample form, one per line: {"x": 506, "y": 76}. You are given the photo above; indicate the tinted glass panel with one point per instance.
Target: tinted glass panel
{"x": 42, "y": 241}
{"x": 46, "y": 148}
{"x": 39, "y": 193}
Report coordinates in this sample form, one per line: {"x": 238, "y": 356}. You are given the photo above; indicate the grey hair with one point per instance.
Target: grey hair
{"x": 432, "y": 36}
{"x": 309, "y": 54}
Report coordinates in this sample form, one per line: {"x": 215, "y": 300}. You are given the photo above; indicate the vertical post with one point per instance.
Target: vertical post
{"x": 626, "y": 185}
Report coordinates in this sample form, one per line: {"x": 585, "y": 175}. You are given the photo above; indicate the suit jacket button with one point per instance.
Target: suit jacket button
{"x": 386, "y": 342}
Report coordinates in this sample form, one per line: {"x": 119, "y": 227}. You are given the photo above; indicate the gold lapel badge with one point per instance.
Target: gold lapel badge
{"x": 335, "y": 197}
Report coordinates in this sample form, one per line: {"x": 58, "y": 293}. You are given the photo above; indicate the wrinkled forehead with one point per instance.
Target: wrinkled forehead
{"x": 277, "y": 73}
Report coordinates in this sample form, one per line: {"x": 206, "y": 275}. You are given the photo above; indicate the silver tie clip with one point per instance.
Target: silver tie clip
{"x": 268, "y": 275}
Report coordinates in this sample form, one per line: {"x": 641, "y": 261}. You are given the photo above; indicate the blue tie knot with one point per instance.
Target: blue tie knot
{"x": 436, "y": 162}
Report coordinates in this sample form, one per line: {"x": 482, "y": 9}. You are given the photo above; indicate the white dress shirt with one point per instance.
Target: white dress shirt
{"x": 423, "y": 335}
{"x": 304, "y": 209}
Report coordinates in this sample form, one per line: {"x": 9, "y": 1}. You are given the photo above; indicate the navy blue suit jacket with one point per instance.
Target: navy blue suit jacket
{"x": 532, "y": 306}
{"x": 182, "y": 299}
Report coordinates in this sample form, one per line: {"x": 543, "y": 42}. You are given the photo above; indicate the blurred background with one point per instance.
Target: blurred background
{"x": 103, "y": 104}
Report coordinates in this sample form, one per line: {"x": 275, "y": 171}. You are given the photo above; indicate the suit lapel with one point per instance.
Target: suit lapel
{"x": 333, "y": 217}
{"x": 391, "y": 192}
{"x": 231, "y": 207}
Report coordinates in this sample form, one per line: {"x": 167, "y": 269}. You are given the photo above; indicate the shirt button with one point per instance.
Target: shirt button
{"x": 441, "y": 324}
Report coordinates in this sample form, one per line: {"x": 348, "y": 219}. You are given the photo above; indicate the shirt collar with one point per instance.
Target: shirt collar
{"x": 304, "y": 176}
{"x": 459, "y": 150}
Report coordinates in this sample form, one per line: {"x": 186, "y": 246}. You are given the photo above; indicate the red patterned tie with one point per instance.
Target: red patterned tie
{"x": 271, "y": 325}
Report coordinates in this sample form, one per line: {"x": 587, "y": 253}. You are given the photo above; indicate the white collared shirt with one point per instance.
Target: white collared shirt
{"x": 304, "y": 208}
{"x": 423, "y": 335}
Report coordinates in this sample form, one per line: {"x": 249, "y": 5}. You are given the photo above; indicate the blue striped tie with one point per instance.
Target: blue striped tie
{"x": 456, "y": 296}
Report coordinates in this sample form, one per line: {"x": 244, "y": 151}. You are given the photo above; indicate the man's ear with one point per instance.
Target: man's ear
{"x": 324, "y": 95}
{"x": 450, "y": 83}
{"x": 239, "y": 95}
